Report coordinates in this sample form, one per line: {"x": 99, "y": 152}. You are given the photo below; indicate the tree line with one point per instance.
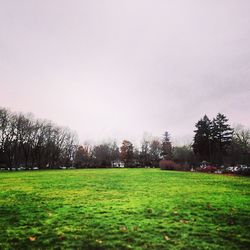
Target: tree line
{"x": 149, "y": 153}
{"x": 214, "y": 142}
{"x": 27, "y": 142}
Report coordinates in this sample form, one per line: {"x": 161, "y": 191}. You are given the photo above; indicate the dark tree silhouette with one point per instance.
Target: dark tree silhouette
{"x": 222, "y": 135}
{"x": 126, "y": 152}
{"x": 202, "y": 139}
{"x": 212, "y": 139}
{"x": 166, "y": 153}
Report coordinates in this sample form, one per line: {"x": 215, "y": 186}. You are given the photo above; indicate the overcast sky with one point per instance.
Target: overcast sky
{"x": 119, "y": 68}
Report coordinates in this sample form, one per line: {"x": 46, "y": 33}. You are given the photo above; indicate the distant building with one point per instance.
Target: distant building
{"x": 117, "y": 164}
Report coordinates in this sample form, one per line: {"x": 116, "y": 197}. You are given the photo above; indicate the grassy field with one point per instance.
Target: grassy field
{"x": 123, "y": 209}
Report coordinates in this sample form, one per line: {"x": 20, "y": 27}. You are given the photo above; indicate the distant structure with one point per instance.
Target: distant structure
{"x": 117, "y": 164}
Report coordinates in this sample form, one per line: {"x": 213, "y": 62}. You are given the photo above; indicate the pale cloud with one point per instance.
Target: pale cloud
{"x": 115, "y": 69}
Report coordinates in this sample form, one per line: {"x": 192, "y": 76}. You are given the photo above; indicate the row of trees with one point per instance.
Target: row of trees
{"x": 102, "y": 155}
{"x": 240, "y": 146}
{"x": 215, "y": 141}
{"x": 150, "y": 152}
{"x": 28, "y": 142}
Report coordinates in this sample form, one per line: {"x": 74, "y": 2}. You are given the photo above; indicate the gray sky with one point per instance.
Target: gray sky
{"x": 117, "y": 69}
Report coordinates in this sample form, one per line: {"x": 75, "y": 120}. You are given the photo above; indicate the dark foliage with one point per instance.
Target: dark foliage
{"x": 26, "y": 142}
{"x": 213, "y": 139}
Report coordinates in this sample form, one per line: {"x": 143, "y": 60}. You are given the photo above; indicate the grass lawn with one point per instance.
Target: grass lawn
{"x": 123, "y": 209}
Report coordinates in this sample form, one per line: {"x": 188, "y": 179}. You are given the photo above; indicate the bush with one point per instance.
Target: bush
{"x": 167, "y": 165}
{"x": 183, "y": 167}
{"x": 171, "y": 165}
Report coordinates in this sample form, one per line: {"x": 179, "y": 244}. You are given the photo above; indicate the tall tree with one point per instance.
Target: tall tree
{"x": 166, "y": 152}
{"x": 145, "y": 159}
{"x": 83, "y": 156}
{"x": 5, "y": 130}
{"x": 212, "y": 139}
{"x": 28, "y": 142}
{"x": 240, "y": 146}
{"x": 202, "y": 140}
{"x": 155, "y": 152}
{"x": 126, "y": 152}
{"x": 114, "y": 151}
{"x": 222, "y": 135}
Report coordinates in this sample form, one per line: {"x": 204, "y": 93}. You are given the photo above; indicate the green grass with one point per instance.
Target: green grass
{"x": 123, "y": 209}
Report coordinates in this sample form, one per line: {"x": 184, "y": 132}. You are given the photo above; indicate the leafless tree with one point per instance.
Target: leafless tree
{"x": 27, "y": 142}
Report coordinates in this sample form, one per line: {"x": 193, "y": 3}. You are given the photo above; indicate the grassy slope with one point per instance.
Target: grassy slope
{"x": 123, "y": 209}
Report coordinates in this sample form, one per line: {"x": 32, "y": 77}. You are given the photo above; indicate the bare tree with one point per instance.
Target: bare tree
{"x": 28, "y": 142}
{"x": 145, "y": 158}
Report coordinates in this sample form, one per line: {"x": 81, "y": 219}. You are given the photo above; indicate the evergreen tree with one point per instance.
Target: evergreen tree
{"x": 202, "y": 139}
{"x": 212, "y": 139}
{"x": 222, "y": 135}
{"x": 166, "y": 153}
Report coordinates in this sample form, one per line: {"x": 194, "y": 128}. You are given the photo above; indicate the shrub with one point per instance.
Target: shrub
{"x": 183, "y": 167}
{"x": 167, "y": 165}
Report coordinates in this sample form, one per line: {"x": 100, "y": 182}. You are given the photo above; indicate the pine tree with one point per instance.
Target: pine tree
{"x": 167, "y": 151}
{"x": 222, "y": 135}
{"x": 202, "y": 139}
{"x": 212, "y": 139}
